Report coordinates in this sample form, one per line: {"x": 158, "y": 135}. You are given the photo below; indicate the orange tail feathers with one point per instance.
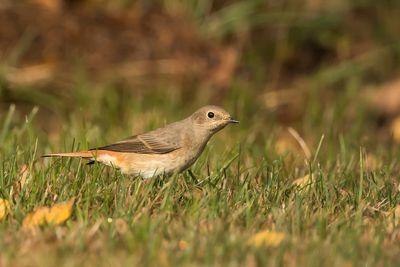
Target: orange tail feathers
{"x": 79, "y": 154}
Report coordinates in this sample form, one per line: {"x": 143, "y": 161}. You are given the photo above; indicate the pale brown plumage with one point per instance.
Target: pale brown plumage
{"x": 166, "y": 150}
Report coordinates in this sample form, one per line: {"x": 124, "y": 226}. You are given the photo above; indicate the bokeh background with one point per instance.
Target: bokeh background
{"x": 289, "y": 62}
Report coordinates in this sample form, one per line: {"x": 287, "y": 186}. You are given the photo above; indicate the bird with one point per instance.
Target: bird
{"x": 163, "y": 151}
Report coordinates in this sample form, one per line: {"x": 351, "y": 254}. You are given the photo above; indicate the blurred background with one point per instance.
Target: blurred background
{"x": 320, "y": 66}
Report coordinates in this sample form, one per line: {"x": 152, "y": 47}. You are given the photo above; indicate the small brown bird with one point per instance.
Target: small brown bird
{"x": 167, "y": 150}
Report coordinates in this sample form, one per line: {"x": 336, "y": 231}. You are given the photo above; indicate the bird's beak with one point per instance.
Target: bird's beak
{"x": 232, "y": 120}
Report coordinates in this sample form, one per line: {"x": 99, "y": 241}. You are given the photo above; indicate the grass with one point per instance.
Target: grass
{"x": 239, "y": 187}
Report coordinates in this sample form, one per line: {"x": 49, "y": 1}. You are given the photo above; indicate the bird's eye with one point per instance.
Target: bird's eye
{"x": 210, "y": 115}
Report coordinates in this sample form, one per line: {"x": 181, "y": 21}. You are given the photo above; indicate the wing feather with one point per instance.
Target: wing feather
{"x": 155, "y": 142}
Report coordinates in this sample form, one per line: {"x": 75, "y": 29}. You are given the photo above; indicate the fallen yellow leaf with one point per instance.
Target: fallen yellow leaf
{"x": 4, "y": 208}
{"x": 395, "y": 128}
{"x": 394, "y": 214}
{"x": 56, "y": 214}
{"x": 267, "y": 238}
{"x": 183, "y": 245}
{"x": 303, "y": 181}
{"x": 397, "y": 212}
{"x": 393, "y": 218}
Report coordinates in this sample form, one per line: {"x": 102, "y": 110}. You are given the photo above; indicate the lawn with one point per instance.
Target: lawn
{"x": 251, "y": 179}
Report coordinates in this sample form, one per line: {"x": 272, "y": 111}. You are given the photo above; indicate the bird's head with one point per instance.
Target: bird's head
{"x": 212, "y": 118}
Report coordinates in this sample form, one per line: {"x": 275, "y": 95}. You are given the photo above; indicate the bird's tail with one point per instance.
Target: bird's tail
{"x": 79, "y": 154}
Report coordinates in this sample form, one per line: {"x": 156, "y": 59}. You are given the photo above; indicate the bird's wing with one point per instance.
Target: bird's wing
{"x": 155, "y": 142}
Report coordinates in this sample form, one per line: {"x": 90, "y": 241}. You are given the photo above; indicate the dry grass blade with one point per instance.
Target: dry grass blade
{"x": 21, "y": 181}
{"x": 301, "y": 142}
